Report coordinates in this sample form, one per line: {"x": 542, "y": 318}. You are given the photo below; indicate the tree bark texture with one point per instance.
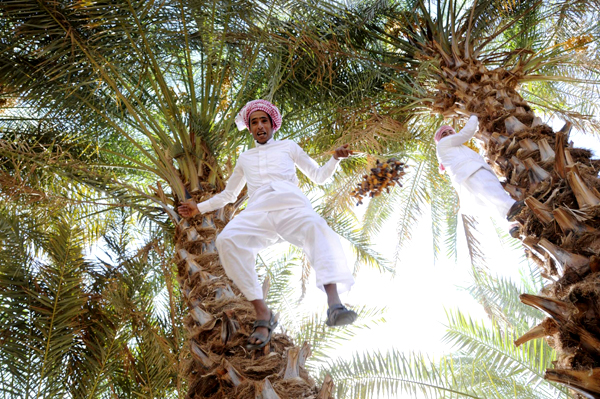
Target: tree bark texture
{"x": 220, "y": 321}
{"x": 559, "y": 225}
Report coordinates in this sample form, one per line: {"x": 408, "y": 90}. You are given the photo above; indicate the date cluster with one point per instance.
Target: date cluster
{"x": 383, "y": 177}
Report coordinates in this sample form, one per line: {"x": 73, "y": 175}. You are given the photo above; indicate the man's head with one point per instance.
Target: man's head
{"x": 261, "y": 126}
{"x": 442, "y": 132}
{"x": 256, "y": 112}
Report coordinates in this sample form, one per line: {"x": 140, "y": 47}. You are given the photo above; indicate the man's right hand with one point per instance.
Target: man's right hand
{"x": 188, "y": 209}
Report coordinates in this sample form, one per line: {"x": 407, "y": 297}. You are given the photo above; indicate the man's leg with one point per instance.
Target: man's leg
{"x": 238, "y": 244}
{"x": 333, "y": 297}
{"x": 262, "y": 313}
{"x": 486, "y": 186}
{"x": 306, "y": 229}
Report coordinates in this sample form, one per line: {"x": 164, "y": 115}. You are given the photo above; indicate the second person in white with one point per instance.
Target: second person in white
{"x": 471, "y": 176}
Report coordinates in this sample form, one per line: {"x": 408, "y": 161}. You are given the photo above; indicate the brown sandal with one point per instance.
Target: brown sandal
{"x": 269, "y": 325}
{"x": 339, "y": 315}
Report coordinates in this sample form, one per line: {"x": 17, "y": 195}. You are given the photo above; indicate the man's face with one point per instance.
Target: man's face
{"x": 260, "y": 126}
{"x": 447, "y": 133}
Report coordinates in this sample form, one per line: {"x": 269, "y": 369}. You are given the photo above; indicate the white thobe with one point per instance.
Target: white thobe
{"x": 277, "y": 209}
{"x": 476, "y": 184}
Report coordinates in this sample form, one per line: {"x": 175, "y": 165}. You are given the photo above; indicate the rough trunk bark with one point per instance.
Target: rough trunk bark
{"x": 220, "y": 321}
{"x": 559, "y": 226}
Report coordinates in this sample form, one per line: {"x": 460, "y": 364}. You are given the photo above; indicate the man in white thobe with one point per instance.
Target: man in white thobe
{"x": 276, "y": 209}
{"x": 471, "y": 176}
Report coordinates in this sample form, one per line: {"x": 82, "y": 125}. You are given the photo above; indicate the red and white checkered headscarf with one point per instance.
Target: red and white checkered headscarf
{"x": 440, "y": 131}
{"x": 242, "y": 120}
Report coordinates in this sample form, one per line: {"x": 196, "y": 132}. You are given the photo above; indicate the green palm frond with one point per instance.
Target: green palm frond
{"x": 60, "y": 171}
{"x": 484, "y": 364}
{"x": 378, "y": 211}
{"x": 500, "y": 298}
{"x": 346, "y": 226}
{"x": 60, "y": 306}
{"x": 410, "y": 201}
{"x": 324, "y": 340}
{"x": 47, "y": 303}
{"x": 147, "y": 361}
{"x": 335, "y": 196}
{"x": 499, "y": 295}
{"x": 389, "y": 374}
{"x": 15, "y": 276}
{"x": 444, "y": 209}
{"x": 451, "y": 215}
{"x": 473, "y": 235}
{"x": 282, "y": 290}
{"x": 67, "y": 323}
{"x": 494, "y": 348}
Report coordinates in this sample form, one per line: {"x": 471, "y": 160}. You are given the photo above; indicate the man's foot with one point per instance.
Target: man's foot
{"x": 339, "y": 315}
{"x": 514, "y": 210}
{"x": 261, "y": 332}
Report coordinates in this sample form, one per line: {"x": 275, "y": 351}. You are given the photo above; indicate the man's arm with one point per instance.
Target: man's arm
{"x": 311, "y": 169}
{"x": 463, "y": 136}
{"x": 234, "y": 185}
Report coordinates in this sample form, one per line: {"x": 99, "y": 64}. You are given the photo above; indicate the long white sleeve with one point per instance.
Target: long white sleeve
{"x": 234, "y": 186}
{"x": 311, "y": 168}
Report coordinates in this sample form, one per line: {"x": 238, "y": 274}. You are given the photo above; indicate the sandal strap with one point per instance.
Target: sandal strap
{"x": 262, "y": 323}
{"x": 265, "y": 338}
{"x": 338, "y": 310}
{"x": 269, "y": 324}
{"x": 337, "y": 306}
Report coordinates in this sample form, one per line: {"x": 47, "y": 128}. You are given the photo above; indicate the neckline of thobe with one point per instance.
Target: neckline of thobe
{"x": 258, "y": 145}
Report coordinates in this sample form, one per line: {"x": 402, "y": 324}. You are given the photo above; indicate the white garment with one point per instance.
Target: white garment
{"x": 267, "y": 167}
{"x": 476, "y": 184}
{"x": 460, "y": 161}
{"x": 277, "y": 209}
{"x": 249, "y": 232}
{"x": 482, "y": 191}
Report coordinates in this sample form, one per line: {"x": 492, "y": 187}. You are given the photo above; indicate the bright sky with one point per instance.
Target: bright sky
{"x": 417, "y": 296}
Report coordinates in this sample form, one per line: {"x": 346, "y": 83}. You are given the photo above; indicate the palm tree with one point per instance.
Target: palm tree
{"x": 146, "y": 94}
{"x": 164, "y": 80}
{"x": 453, "y": 60}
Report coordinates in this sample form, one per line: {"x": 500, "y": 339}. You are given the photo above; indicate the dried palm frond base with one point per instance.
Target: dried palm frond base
{"x": 247, "y": 375}
{"x": 383, "y": 177}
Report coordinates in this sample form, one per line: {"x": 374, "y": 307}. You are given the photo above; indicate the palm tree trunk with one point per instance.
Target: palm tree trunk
{"x": 559, "y": 230}
{"x": 220, "y": 321}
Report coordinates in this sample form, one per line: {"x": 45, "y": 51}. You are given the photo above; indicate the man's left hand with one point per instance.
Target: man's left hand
{"x": 342, "y": 152}
{"x": 188, "y": 208}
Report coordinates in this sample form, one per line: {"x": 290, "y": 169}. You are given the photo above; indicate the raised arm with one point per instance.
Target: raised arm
{"x": 236, "y": 182}
{"x": 310, "y": 167}
{"x": 461, "y": 137}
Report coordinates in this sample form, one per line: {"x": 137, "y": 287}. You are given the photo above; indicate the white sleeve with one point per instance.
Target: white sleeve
{"x": 461, "y": 137}
{"x": 310, "y": 167}
{"x": 236, "y": 182}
